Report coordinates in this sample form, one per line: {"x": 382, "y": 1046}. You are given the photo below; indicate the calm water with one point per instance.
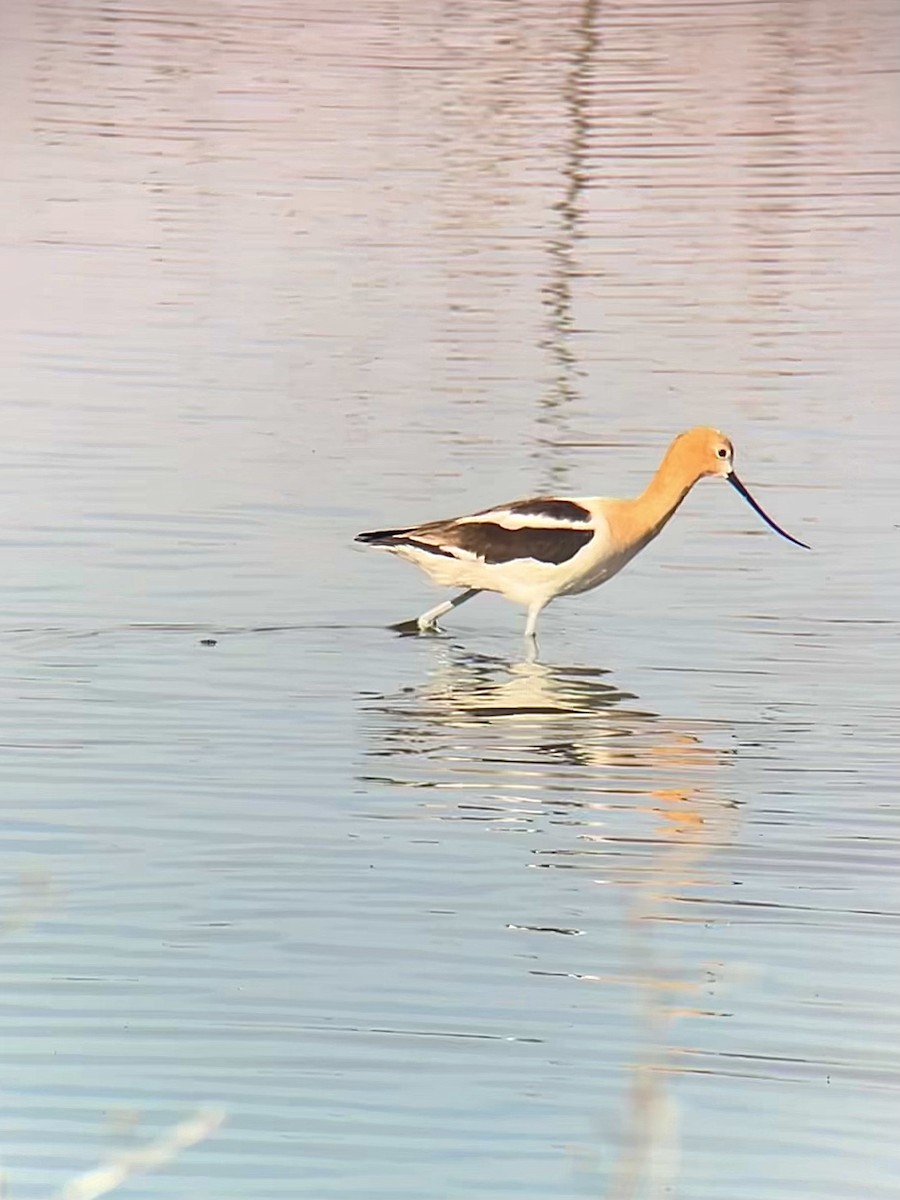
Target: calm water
{"x": 423, "y": 920}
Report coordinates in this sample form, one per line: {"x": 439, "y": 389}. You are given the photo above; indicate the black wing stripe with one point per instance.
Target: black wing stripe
{"x": 376, "y": 537}
{"x": 402, "y": 537}
{"x": 551, "y": 508}
{"x": 496, "y": 544}
{"x": 426, "y": 547}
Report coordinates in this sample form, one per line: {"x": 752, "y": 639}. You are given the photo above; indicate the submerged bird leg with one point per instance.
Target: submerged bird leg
{"x": 531, "y": 642}
{"x": 428, "y": 620}
{"x": 531, "y": 624}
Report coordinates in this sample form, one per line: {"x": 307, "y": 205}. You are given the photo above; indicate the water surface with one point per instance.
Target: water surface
{"x": 423, "y": 919}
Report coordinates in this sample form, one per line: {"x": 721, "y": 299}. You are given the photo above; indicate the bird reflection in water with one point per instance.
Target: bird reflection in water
{"x": 520, "y": 720}
{"x": 624, "y": 799}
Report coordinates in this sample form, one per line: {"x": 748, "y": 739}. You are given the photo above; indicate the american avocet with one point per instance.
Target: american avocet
{"x": 532, "y": 551}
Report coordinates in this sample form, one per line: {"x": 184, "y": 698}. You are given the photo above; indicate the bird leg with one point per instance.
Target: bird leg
{"x": 531, "y": 623}
{"x": 531, "y": 642}
{"x": 428, "y": 620}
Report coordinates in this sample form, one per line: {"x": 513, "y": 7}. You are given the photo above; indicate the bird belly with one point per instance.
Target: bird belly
{"x": 595, "y": 564}
{"x": 597, "y": 575}
{"x": 523, "y": 581}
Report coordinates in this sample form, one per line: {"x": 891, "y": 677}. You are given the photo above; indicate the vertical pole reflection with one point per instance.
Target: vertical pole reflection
{"x": 557, "y": 291}
{"x": 647, "y": 1160}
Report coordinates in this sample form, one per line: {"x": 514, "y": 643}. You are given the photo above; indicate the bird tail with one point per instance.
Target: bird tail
{"x": 381, "y": 537}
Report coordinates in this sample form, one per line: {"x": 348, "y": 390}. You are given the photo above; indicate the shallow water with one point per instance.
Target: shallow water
{"x": 424, "y": 919}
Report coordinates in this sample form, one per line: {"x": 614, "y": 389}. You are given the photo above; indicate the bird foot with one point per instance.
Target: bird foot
{"x": 413, "y": 628}
{"x": 428, "y": 627}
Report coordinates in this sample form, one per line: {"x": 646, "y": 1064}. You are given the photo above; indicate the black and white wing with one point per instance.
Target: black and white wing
{"x": 544, "y": 528}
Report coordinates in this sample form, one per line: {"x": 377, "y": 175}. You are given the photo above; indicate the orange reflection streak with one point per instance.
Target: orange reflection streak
{"x": 632, "y": 801}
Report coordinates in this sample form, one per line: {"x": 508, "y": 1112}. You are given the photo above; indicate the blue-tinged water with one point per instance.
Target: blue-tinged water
{"x": 422, "y": 919}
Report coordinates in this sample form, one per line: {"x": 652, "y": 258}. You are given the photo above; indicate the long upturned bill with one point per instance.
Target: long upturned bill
{"x": 739, "y": 487}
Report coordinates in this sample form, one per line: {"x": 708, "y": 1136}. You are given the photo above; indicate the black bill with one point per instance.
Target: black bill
{"x": 739, "y": 487}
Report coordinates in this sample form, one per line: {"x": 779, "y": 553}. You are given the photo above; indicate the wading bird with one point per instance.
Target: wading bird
{"x": 532, "y": 551}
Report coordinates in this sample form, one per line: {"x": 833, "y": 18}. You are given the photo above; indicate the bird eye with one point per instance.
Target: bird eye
{"x": 722, "y": 452}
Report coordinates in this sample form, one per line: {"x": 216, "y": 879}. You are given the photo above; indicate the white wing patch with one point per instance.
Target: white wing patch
{"x": 544, "y": 512}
